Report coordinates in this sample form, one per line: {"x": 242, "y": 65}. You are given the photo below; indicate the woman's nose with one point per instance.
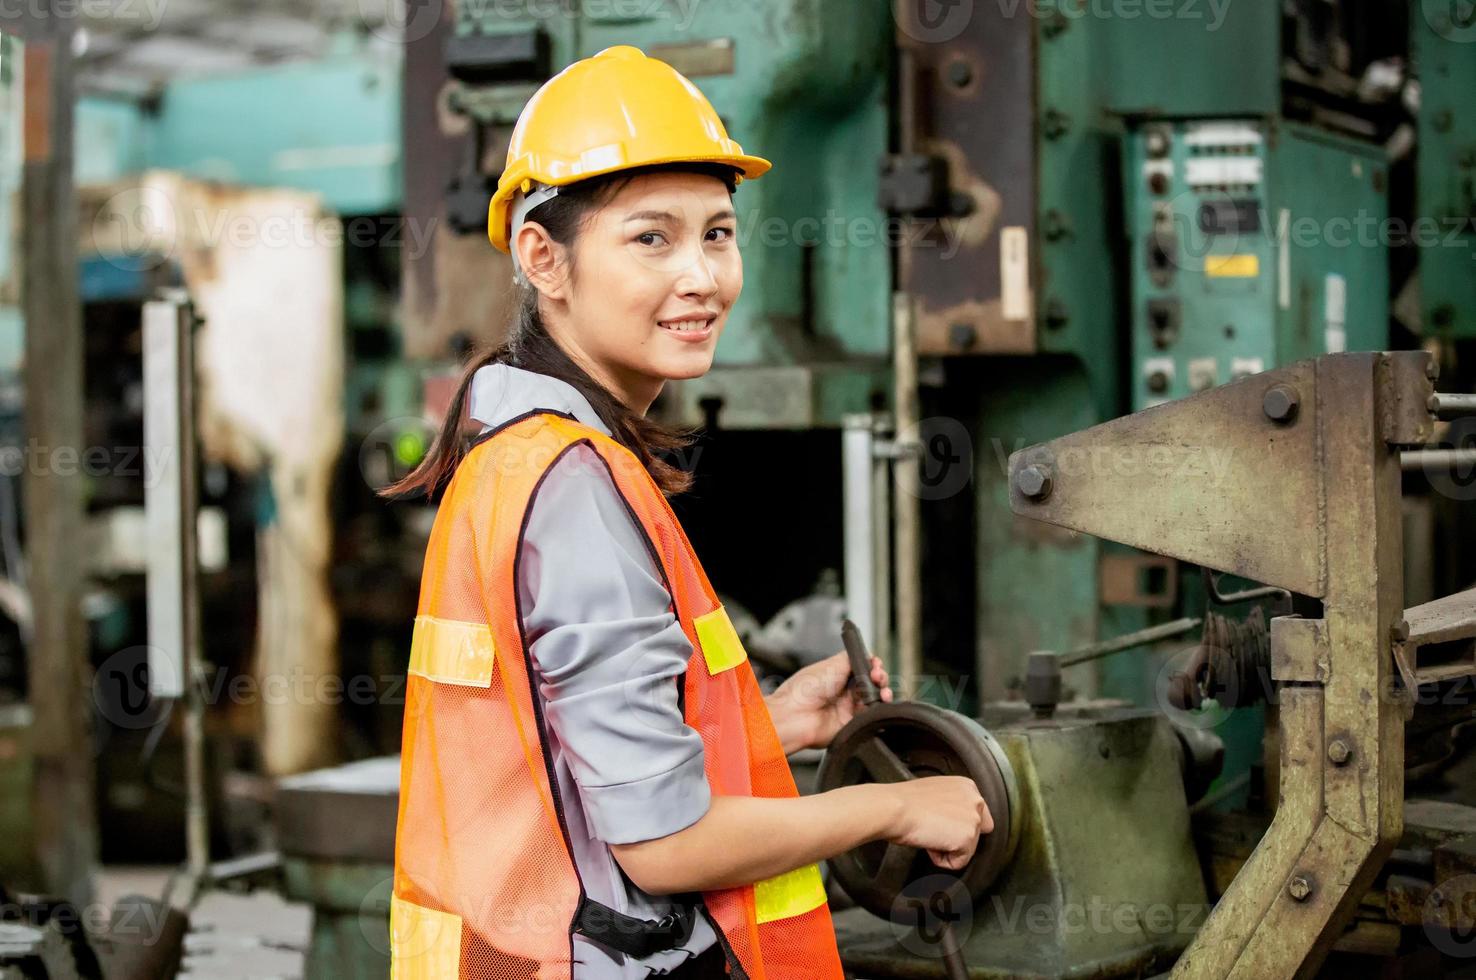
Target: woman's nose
{"x": 697, "y": 277}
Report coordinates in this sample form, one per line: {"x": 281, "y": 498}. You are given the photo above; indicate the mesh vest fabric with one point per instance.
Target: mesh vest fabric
{"x": 485, "y": 886}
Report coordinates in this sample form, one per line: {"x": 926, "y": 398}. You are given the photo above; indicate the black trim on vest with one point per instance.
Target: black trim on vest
{"x": 533, "y": 696}
{"x": 735, "y": 966}
{"x": 483, "y": 437}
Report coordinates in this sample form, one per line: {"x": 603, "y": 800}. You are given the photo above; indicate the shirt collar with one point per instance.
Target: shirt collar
{"x": 501, "y": 392}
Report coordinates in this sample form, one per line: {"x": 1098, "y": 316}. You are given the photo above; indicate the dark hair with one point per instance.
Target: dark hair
{"x": 529, "y": 346}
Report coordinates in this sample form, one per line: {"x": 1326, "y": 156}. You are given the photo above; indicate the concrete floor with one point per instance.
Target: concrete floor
{"x": 232, "y": 937}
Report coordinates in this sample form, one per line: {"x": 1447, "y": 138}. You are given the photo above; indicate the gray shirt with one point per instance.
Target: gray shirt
{"x": 607, "y": 651}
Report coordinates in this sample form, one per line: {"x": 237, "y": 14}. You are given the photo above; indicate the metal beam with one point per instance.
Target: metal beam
{"x": 1306, "y": 496}
{"x": 59, "y": 675}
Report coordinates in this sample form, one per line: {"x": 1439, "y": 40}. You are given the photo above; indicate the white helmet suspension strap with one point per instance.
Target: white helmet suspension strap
{"x": 522, "y": 204}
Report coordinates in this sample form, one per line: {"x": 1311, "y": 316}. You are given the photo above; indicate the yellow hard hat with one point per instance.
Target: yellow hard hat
{"x": 615, "y": 111}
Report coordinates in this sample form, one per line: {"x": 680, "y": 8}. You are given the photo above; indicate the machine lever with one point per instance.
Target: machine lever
{"x": 860, "y": 663}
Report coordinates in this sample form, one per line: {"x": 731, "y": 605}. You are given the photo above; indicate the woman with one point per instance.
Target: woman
{"x": 592, "y": 784}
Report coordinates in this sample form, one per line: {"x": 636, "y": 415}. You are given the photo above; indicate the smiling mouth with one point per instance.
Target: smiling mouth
{"x": 686, "y": 326}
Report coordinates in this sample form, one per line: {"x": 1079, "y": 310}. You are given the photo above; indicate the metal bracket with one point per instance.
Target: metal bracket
{"x": 1408, "y": 381}
{"x": 1300, "y": 650}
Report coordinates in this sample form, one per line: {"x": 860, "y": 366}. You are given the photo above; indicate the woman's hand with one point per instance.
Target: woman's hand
{"x": 946, "y": 815}
{"x": 814, "y": 703}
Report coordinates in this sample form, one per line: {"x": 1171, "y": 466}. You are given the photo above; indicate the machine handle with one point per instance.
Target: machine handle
{"x": 860, "y": 663}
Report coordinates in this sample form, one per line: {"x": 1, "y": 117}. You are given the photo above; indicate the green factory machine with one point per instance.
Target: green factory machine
{"x": 1252, "y": 244}
{"x": 1102, "y": 210}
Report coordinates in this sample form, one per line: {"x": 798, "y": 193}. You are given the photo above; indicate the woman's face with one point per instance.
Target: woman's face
{"x": 656, "y": 271}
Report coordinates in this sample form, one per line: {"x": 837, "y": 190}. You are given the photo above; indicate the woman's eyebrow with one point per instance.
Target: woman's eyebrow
{"x": 670, "y": 218}
{"x": 651, "y": 216}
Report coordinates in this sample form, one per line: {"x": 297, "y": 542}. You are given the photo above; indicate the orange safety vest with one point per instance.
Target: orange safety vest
{"x": 485, "y": 884}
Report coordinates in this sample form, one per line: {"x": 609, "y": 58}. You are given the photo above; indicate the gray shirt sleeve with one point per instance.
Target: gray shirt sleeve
{"x": 608, "y": 652}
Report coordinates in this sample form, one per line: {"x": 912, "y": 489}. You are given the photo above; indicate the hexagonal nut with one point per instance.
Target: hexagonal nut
{"x": 1034, "y": 481}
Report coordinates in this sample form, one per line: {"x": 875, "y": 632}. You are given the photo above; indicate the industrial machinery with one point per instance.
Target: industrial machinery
{"x": 1044, "y": 854}
{"x": 1092, "y": 807}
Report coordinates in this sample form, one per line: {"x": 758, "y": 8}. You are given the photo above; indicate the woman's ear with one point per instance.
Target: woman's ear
{"x": 541, "y": 259}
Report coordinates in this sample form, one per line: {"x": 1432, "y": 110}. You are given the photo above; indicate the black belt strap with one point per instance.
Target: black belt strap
{"x": 629, "y": 935}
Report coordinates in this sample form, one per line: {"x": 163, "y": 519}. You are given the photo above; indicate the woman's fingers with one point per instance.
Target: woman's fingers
{"x": 880, "y": 678}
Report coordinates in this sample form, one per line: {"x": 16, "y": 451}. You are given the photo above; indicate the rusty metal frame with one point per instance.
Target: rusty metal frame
{"x": 1290, "y": 478}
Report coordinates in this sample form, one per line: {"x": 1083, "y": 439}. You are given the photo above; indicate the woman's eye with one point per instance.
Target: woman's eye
{"x": 727, "y": 234}
{"x": 648, "y": 234}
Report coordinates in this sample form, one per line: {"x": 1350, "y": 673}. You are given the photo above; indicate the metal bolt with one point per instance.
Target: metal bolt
{"x": 1034, "y": 481}
{"x": 1280, "y": 403}
{"x": 1300, "y": 888}
{"x": 1432, "y": 369}
{"x": 962, "y": 336}
{"x": 960, "y": 73}
{"x": 1339, "y": 752}
{"x": 1055, "y": 225}
{"x": 1158, "y": 143}
{"x": 1432, "y": 404}
{"x": 1056, "y": 314}
{"x": 1399, "y": 630}
{"x": 1055, "y": 124}
{"x": 1043, "y": 683}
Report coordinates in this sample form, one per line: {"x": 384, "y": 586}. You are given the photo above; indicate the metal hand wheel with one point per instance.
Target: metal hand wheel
{"x": 887, "y": 743}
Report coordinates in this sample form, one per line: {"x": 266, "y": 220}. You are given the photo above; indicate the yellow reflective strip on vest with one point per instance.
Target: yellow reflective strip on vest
{"x": 452, "y": 652}
{"x": 719, "y": 641}
{"x": 792, "y": 893}
{"x": 424, "y": 944}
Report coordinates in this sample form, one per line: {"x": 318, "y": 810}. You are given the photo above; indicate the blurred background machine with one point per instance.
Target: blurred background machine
{"x": 989, "y": 225}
